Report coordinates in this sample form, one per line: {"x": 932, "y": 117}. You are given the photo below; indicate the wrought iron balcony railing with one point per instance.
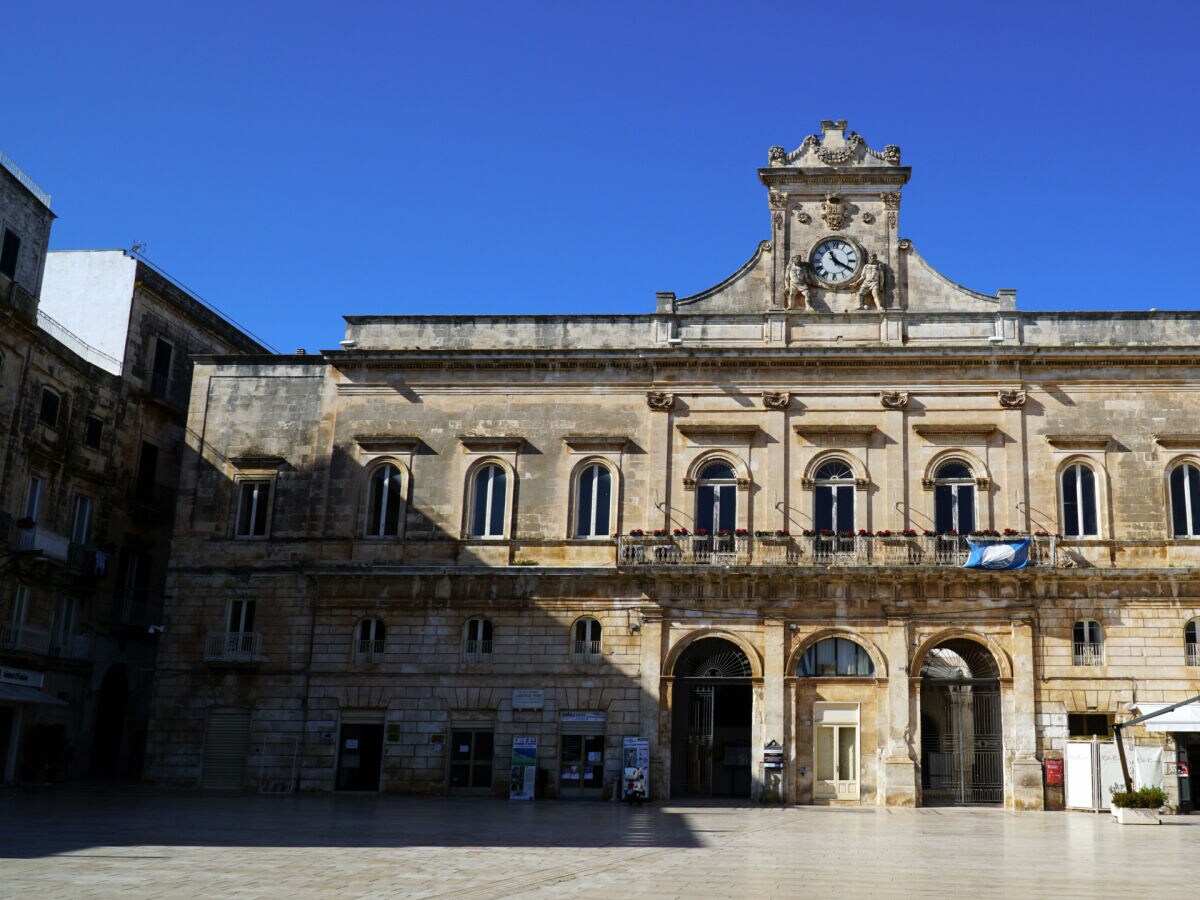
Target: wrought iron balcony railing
{"x": 233, "y": 646}
{"x": 477, "y": 651}
{"x": 368, "y": 651}
{"x": 1089, "y": 654}
{"x": 587, "y": 651}
{"x": 817, "y": 549}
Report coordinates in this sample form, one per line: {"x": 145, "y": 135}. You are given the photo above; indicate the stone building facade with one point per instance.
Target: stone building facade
{"x": 94, "y": 382}
{"x": 735, "y": 527}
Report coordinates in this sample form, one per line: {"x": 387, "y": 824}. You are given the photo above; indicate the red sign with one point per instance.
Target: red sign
{"x": 1054, "y": 771}
{"x": 1181, "y": 769}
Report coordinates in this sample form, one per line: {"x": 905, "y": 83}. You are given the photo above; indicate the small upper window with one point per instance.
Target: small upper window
{"x": 48, "y": 414}
{"x": 1191, "y": 642}
{"x": 1088, "y": 638}
{"x": 954, "y": 498}
{"x": 587, "y": 640}
{"x": 1079, "y": 501}
{"x": 477, "y": 644}
{"x": 81, "y": 518}
{"x": 9, "y": 253}
{"x": 1185, "y": 500}
{"x": 371, "y": 639}
{"x": 593, "y": 504}
{"x": 489, "y": 496}
{"x": 254, "y": 500}
{"x": 835, "y": 657}
{"x": 383, "y": 502}
{"x": 93, "y": 432}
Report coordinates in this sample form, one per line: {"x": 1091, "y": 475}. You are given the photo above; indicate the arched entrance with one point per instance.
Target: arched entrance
{"x": 710, "y": 738}
{"x": 962, "y": 748}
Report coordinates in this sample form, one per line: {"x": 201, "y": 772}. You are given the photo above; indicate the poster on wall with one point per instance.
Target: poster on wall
{"x": 635, "y": 765}
{"x": 524, "y": 768}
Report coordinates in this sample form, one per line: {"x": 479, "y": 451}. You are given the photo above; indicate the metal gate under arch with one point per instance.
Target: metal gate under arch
{"x": 710, "y": 751}
{"x": 962, "y": 743}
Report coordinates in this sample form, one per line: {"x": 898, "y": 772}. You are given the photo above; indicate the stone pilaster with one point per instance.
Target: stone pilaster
{"x": 899, "y": 774}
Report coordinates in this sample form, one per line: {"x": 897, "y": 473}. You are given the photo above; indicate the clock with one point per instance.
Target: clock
{"x": 835, "y": 260}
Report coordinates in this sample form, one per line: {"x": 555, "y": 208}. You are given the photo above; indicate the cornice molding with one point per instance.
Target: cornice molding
{"x": 388, "y": 443}
{"x": 1083, "y": 441}
{"x": 596, "y": 443}
{"x": 478, "y": 443}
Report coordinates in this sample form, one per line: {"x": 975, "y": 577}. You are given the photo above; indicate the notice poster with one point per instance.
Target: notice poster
{"x": 524, "y": 768}
{"x": 635, "y": 755}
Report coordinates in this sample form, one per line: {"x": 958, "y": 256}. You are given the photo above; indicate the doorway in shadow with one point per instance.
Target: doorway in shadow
{"x": 714, "y": 704}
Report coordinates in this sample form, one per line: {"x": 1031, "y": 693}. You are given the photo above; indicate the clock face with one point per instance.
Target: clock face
{"x": 835, "y": 260}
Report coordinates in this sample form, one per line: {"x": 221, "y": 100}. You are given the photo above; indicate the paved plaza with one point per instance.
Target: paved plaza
{"x": 103, "y": 842}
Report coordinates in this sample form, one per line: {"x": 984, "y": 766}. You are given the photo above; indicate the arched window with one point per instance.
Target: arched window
{"x": 1079, "y": 501}
{"x": 835, "y": 657}
{"x": 716, "y": 498}
{"x": 1191, "y": 642}
{"x": 489, "y": 494}
{"x": 383, "y": 502}
{"x": 833, "y": 497}
{"x": 1088, "y": 638}
{"x": 587, "y": 640}
{"x": 593, "y": 502}
{"x": 954, "y": 497}
{"x": 370, "y": 639}
{"x": 1185, "y": 501}
{"x": 477, "y": 641}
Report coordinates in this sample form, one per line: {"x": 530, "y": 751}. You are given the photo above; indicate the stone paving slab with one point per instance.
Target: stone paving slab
{"x": 136, "y": 842}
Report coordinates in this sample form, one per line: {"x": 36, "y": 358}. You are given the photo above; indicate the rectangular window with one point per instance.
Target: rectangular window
{"x": 81, "y": 518}
{"x": 241, "y": 616}
{"x": 20, "y": 607}
{"x": 9, "y": 253}
{"x": 93, "y": 431}
{"x": 1089, "y": 724}
{"x": 33, "y": 498}
{"x": 147, "y": 476}
{"x": 254, "y": 498}
{"x": 66, "y": 622}
{"x": 160, "y": 378}
{"x": 48, "y": 414}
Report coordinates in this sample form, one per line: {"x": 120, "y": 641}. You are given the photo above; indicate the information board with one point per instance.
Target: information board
{"x": 524, "y": 768}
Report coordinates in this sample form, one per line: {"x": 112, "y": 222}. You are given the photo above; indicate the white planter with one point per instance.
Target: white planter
{"x": 1129, "y": 816}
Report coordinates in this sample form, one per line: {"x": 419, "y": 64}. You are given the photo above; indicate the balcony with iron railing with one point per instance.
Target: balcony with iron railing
{"x": 38, "y": 541}
{"x": 1089, "y": 654}
{"x": 42, "y": 641}
{"x": 817, "y": 549}
{"x": 477, "y": 651}
{"x": 368, "y": 651}
{"x": 587, "y": 651}
{"x": 233, "y": 647}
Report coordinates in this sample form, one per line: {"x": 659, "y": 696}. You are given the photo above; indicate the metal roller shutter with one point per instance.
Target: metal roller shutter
{"x": 226, "y": 745}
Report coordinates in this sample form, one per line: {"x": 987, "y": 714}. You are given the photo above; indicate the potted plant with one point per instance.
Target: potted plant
{"x": 1138, "y": 807}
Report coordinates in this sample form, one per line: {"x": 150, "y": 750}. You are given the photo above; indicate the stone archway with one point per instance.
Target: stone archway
{"x": 713, "y": 703}
{"x": 962, "y": 745}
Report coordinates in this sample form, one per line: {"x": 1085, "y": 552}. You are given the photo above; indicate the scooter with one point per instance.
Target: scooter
{"x": 635, "y": 785}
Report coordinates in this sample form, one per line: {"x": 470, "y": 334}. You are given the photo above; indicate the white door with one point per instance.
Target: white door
{"x": 836, "y": 763}
{"x": 1079, "y": 775}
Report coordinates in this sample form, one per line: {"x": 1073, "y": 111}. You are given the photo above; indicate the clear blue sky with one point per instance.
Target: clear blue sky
{"x": 296, "y": 162}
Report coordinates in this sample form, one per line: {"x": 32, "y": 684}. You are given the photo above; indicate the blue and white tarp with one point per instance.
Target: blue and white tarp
{"x": 998, "y": 555}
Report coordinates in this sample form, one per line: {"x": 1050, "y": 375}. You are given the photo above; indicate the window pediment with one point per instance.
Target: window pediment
{"x": 958, "y": 431}
{"x": 388, "y": 443}
{"x": 479, "y": 443}
{"x": 1178, "y": 441}
{"x": 841, "y": 433}
{"x": 258, "y": 462}
{"x": 596, "y": 443}
{"x": 1083, "y": 441}
{"x": 719, "y": 435}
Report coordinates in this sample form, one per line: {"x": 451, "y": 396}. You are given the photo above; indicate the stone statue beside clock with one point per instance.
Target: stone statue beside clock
{"x": 834, "y": 263}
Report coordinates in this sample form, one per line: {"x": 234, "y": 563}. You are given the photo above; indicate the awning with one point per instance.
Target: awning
{"x": 1186, "y": 718}
{"x": 20, "y": 693}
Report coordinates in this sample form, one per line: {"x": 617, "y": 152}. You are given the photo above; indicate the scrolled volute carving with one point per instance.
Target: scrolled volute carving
{"x": 777, "y": 156}
{"x": 807, "y": 484}
{"x": 904, "y": 245}
{"x": 689, "y": 484}
{"x": 660, "y": 401}
{"x": 1011, "y": 399}
{"x": 891, "y": 155}
{"x": 743, "y": 484}
{"x": 893, "y": 399}
{"x": 776, "y": 399}
{"x": 861, "y": 484}
{"x": 927, "y": 484}
{"x": 983, "y": 483}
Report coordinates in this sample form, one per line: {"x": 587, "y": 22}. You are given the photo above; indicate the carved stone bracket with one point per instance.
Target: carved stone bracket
{"x": 807, "y": 484}
{"x": 689, "y": 484}
{"x": 927, "y": 484}
{"x": 776, "y": 399}
{"x": 743, "y": 484}
{"x": 893, "y": 399}
{"x": 890, "y": 200}
{"x": 777, "y": 199}
{"x": 660, "y": 401}
{"x": 1011, "y": 399}
{"x": 861, "y": 484}
{"x": 983, "y": 483}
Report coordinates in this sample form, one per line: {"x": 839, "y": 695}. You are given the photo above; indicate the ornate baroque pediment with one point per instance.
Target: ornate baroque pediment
{"x": 834, "y": 147}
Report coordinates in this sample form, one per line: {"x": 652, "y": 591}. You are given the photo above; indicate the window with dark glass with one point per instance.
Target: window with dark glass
{"x": 383, "y": 503}
{"x": 477, "y": 644}
{"x": 593, "y": 502}
{"x": 160, "y": 376}
{"x": 587, "y": 638}
{"x": 48, "y": 412}
{"x": 147, "y": 475}
{"x": 371, "y": 638}
{"x": 1185, "y": 500}
{"x": 716, "y": 498}
{"x": 835, "y": 657}
{"x": 9, "y": 253}
{"x": 254, "y": 498}
{"x": 489, "y": 495}
{"x": 1089, "y": 724}
{"x": 241, "y": 616}
{"x": 1191, "y": 643}
{"x": 1079, "y": 501}
{"x": 93, "y": 432}
{"x": 954, "y": 498}
{"x": 833, "y": 497}
{"x": 1088, "y": 640}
